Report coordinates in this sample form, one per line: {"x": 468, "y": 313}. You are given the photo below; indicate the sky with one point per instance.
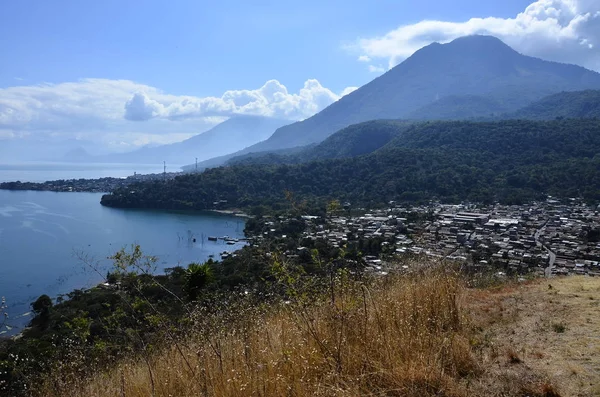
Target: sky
{"x": 128, "y": 73}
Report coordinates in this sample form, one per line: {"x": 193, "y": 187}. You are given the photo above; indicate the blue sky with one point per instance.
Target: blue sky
{"x": 123, "y": 74}
{"x": 203, "y": 48}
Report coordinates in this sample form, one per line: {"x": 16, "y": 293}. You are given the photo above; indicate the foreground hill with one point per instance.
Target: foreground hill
{"x": 421, "y": 334}
{"x": 229, "y": 136}
{"x": 509, "y": 161}
{"x": 475, "y": 65}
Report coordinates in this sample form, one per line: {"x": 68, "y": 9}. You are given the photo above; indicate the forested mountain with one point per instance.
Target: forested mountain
{"x": 509, "y": 161}
{"x": 474, "y": 65}
{"x": 455, "y": 107}
{"x": 580, "y": 104}
{"x": 227, "y": 137}
{"x": 355, "y": 139}
{"x": 471, "y": 78}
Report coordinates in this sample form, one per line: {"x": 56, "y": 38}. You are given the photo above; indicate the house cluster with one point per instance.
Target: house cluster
{"x": 550, "y": 237}
{"x": 559, "y": 237}
{"x": 572, "y": 234}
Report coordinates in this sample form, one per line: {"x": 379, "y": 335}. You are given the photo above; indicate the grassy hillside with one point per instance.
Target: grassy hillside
{"x": 419, "y": 334}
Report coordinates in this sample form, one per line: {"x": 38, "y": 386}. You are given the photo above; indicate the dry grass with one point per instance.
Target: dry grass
{"x": 418, "y": 335}
{"x": 402, "y": 337}
{"x": 551, "y": 326}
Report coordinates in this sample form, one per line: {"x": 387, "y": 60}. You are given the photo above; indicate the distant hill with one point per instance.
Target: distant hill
{"x": 227, "y": 137}
{"x": 481, "y": 66}
{"x": 77, "y": 154}
{"x": 244, "y": 155}
{"x": 355, "y": 140}
{"x": 580, "y": 104}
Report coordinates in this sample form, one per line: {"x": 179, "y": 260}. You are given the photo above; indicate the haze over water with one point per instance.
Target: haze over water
{"x": 42, "y": 232}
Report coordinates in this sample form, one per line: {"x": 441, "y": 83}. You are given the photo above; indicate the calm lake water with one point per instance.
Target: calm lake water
{"x": 42, "y": 232}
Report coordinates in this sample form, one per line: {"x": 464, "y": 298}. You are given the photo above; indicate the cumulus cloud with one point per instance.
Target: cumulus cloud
{"x": 272, "y": 99}
{"x": 123, "y": 113}
{"x": 140, "y": 107}
{"x": 558, "y": 30}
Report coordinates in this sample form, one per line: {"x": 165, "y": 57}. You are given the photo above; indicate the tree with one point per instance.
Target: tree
{"x": 333, "y": 206}
{"x": 197, "y": 277}
{"x": 41, "y": 307}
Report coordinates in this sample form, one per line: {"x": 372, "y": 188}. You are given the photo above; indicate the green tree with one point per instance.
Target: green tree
{"x": 333, "y": 206}
{"x": 197, "y": 277}
{"x": 41, "y": 307}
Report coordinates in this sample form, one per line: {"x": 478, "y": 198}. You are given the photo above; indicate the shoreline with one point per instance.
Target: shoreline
{"x": 238, "y": 213}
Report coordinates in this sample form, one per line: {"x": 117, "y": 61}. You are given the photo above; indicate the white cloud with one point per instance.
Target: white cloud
{"x": 120, "y": 113}
{"x": 364, "y": 58}
{"x": 559, "y": 30}
{"x": 376, "y": 69}
{"x": 272, "y": 99}
{"x": 348, "y": 90}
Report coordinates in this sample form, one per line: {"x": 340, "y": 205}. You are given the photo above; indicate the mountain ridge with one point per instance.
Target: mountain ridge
{"x": 472, "y": 65}
{"x": 232, "y": 135}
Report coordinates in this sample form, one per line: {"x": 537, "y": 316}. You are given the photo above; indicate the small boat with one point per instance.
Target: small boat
{"x": 230, "y": 242}
{"x": 212, "y": 238}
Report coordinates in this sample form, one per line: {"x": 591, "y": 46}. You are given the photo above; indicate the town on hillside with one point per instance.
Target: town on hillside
{"x": 554, "y": 237}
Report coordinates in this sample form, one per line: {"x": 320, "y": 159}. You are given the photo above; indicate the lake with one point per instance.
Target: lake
{"x": 42, "y": 234}
{"x": 46, "y": 171}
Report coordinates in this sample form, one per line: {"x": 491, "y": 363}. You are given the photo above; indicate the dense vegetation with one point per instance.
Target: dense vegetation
{"x": 404, "y": 336}
{"x": 567, "y": 105}
{"x": 509, "y": 161}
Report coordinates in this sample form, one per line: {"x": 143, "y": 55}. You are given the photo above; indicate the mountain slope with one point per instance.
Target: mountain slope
{"x": 229, "y": 136}
{"x": 580, "y": 104}
{"x": 474, "y": 65}
{"x": 355, "y": 140}
{"x": 456, "y": 107}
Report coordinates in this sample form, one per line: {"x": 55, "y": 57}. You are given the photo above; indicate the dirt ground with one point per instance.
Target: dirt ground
{"x": 538, "y": 338}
